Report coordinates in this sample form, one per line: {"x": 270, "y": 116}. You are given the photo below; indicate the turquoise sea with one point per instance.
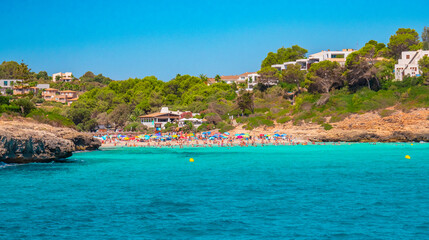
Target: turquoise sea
{"x": 357, "y": 191}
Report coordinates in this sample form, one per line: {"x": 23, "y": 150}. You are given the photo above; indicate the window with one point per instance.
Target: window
{"x": 408, "y": 56}
{"x": 5, "y": 83}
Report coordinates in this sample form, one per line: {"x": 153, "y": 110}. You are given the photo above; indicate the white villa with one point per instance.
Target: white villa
{"x": 408, "y": 64}
{"x": 63, "y": 77}
{"x": 158, "y": 120}
{"x": 333, "y": 56}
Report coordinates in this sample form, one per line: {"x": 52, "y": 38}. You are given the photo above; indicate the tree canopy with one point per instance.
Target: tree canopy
{"x": 284, "y": 55}
{"x": 14, "y": 70}
{"x": 324, "y": 76}
{"x": 405, "y": 39}
{"x": 425, "y": 38}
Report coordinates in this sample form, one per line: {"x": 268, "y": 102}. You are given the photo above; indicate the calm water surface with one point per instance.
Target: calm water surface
{"x": 357, "y": 191}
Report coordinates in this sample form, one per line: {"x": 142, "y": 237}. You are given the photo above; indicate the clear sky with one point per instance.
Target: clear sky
{"x": 123, "y": 39}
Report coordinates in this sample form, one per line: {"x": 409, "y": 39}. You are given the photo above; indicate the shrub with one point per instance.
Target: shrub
{"x": 135, "y": 127}
{"x": 284, "y": 119}
{"x": 25, "y": 105}
{"x": 224, "y": 127}
{"x": 327, "y": 126}
{"x": 385, "y": 112}
{"x": 4, "y": 100}
{"x": 50, "y": 118}
{"x": 254, "y": 122}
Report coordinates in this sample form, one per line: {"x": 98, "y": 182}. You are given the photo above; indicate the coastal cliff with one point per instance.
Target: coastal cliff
{"x": 25, "y": 141}
{"x": 399, "y": 126}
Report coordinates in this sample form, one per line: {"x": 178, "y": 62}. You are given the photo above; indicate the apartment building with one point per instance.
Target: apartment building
{"x": 49, "y": 94}
{"x": 66, "y": 97}
{"x": 408, "y": 64}
{"x": 62, "y": 77}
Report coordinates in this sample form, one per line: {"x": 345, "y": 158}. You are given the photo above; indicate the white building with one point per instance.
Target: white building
{"x": 62, "y": 77}
{"x": 333, "y": 56}
{"x": 8, "y": 84}
{"x": 195, "y": 121}
{"x": 158, "y": 120}
{"x": 408, "y": 64}
{"x": 42, "y": 86}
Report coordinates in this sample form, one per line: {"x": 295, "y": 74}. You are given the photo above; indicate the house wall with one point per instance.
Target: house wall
{"x": 408, "y": 64}
{"x": 8, "y": 83}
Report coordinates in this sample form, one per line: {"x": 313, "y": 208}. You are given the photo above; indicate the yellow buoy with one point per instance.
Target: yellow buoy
{"x": 191, "y": 160}
{"x": 411, "y": 144}
{"x": 407, "y": 157}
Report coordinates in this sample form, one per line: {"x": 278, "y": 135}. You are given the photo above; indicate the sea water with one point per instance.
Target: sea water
{"x": 357, "y": 191}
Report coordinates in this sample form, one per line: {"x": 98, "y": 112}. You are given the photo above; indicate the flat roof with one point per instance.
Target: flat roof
{"x": 160, "y": 115}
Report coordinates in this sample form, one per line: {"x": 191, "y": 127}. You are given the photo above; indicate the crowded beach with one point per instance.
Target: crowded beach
{"x": 204, "y": 139}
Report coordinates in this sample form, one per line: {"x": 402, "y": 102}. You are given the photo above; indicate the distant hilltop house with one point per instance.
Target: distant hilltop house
{"x": 54, "y": 95}
{"x": 333, "y": 56}
{"x": 62, "y": 77}
{"x": 8, "y": 84}
{"x": 408, "y": 64}
{"x": 251, "y": 78}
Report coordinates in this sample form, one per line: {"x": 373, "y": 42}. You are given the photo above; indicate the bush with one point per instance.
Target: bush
{"x": 205, "y": 127}
{"x": 135, "y": 127}
{"x": 224, "y": 127}
{"x": 385, "y": 112}
{"x": 25, "y": 105}
{"x": 284, "y": 119}
{"x": 327, "y": 126}
{"x": 50, "y": 118}
{"x": 213, "y": 118}
{"x": 170, "y": 127}
{"x": 254, "y": 122}
{"x": 4, "y": 100}
{"x": 10, "y": 108}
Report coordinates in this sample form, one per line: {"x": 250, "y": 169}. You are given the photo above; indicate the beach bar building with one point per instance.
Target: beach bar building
{"x": 158, "y": 120}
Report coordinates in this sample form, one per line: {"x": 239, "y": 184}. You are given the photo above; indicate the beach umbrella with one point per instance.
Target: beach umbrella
{"x": 237, "y": 134}
{"x": 211, "y": 138}
{"x": 240, "y": 136}
{"x": 226, "y": 133}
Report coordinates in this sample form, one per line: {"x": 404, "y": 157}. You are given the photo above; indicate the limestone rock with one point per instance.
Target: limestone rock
{"x": 24, "y": 141}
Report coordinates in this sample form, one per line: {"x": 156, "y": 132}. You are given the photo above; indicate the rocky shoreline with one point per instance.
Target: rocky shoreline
{"x": 399, "y": 126}
{"x": 25, "y": 141}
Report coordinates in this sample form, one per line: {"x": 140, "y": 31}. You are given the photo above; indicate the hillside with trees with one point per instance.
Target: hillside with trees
{"x": 325, "y": 94}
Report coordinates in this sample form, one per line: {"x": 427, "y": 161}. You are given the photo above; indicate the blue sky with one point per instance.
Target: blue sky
{"x": 123, "y": 39}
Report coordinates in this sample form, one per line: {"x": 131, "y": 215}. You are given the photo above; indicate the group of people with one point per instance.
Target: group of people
{"x": 198, "y": 140}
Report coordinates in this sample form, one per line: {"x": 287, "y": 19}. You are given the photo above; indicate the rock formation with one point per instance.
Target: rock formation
{"x": 24, "y": 141}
